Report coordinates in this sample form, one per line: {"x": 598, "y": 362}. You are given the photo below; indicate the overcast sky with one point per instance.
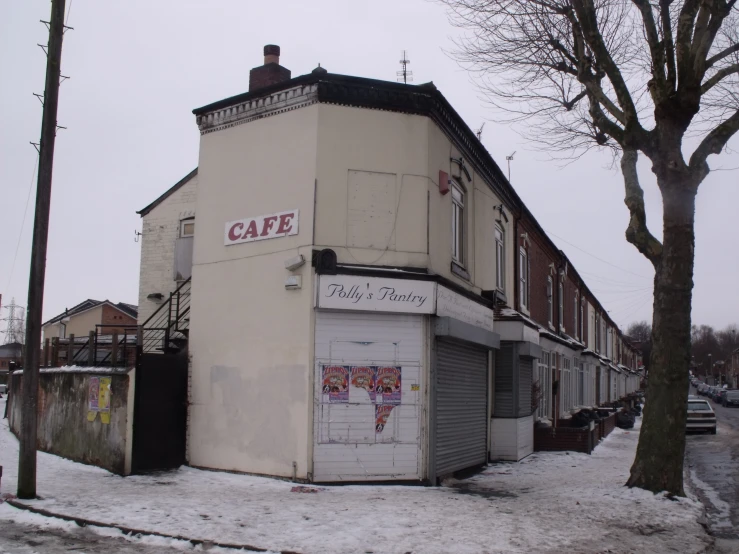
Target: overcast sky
{"x": 138, "y": 68}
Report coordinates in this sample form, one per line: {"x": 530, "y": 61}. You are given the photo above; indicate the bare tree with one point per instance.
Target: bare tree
{"x": 640, "y": 333}
{"x": 627, "y": 76}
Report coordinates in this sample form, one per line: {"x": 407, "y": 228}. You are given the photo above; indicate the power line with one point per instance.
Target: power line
{"x": 596, "y": 257}
{"x": 23, "y": 223}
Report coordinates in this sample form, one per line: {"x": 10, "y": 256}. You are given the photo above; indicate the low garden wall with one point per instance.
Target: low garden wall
{"x": 566, "y": 438}
{"x": 85, "y": 414}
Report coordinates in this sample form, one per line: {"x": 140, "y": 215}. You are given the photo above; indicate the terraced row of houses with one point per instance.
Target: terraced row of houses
{"x": 360, "y": 293}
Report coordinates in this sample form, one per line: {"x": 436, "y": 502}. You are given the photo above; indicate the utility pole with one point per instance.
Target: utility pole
{"x": 29, "y": 399}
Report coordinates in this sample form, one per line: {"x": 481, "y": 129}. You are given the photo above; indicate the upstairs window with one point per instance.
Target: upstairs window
{"x": 576, "y": 313}
{"x": 187, "y": 228}
{"x": 183, "y": 250}
{"x": 550, "y": 301}
{"x": 561, "y": 306}
{"x": 499, "y": 258}
{"x": 582, "y": 319}
{"x": 457, "y": 224}
{"x": 524, "y": 278}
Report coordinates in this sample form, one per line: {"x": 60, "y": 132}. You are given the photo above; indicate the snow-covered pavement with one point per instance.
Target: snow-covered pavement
{"x": 549, "y": 502}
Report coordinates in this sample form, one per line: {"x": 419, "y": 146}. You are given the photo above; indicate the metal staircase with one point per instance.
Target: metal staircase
{"x": 167, "y": 330}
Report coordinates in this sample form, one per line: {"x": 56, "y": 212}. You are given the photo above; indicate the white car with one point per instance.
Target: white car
{"x": 700, "y": 416}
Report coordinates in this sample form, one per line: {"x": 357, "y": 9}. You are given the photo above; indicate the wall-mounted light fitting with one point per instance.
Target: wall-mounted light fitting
{"x": 294, "y": 263}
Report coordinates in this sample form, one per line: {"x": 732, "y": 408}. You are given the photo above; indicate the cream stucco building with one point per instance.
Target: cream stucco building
{"x": 349, "y": 241}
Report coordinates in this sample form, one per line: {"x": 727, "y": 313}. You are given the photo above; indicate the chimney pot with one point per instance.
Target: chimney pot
{"x": 271, "y": 54}
{"x": 271, "y": 72}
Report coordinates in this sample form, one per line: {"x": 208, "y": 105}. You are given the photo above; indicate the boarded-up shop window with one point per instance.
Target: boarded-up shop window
{"x": 372, "y": 205}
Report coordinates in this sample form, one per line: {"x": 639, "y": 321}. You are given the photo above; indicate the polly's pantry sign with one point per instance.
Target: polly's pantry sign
{"x": 374, "y": 294}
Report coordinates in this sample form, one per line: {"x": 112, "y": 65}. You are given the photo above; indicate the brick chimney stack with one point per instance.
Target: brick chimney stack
{"x": 271, "y": 72}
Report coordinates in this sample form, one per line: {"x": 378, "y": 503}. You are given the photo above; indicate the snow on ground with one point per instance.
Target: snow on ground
{"x": 548, "y": 503}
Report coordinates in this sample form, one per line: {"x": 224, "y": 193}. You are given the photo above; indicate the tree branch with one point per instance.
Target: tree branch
{"x": 713, "y": 143}
{"x": 637, "y": 232}
{"x": 724, "y": 72}
{"x": 721, "y": 55}
{"x": 655, "y": 48}
{"x": 586, "y": 20}
{"x": 669, "y": 42}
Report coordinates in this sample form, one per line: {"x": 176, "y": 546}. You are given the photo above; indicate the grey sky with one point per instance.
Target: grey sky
{"x": 139, "y": 67}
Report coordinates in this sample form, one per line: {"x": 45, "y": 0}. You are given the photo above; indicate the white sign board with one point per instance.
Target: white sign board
{"x": 451, "y": 304}
{"x": 281, "y": 224}
{"x": 375, "y": 294}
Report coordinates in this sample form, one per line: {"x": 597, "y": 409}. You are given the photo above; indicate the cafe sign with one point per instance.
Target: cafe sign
{"x": 375, "y": 294}
{"x": 250, "y": 229}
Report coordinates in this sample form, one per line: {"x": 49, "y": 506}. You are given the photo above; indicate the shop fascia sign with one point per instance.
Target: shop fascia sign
{"x": 262, "y": 227}
{"x": 376, "y": 294}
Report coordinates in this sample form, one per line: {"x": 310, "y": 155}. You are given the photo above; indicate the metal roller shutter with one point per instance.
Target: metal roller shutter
{"x": 461, "y": 407}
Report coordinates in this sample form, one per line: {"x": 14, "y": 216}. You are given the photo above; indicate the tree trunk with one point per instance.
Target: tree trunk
{"x": 658, "y": 465}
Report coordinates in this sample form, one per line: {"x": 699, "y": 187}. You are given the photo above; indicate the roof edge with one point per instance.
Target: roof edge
{"x": 174, "y": 188}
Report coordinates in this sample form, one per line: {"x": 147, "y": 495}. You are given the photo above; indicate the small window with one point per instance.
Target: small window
{"x": 576, "y": 313}
{"x": 524, "y": 278}
{"x": 457, "y": 224}
{"x": 561, "y": 305}
{"x": 499, "y": 258}
{"x": 550, "y": 301}
{"x": 187, "y": 228}
{"x": 582, "y": 319}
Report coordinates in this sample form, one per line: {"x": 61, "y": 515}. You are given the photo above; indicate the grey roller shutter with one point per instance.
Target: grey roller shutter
{"x": 525, "y": 381}
{"x": 461, "y": 407}
{"x": 504, "y": 400}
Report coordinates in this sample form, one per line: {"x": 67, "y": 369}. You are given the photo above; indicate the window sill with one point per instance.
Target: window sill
{"x": 524, "y": 311}
{"x": 459, "y": 271}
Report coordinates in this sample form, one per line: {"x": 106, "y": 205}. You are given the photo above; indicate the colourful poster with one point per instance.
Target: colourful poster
{"x": 363, "y": 378}
{"x": 382, "y": 412}
{"x": 93, "y": 398}
{"x": 388, "y": 385}
{"x": 104, "y": 395}
{"x": 336, "y": 383}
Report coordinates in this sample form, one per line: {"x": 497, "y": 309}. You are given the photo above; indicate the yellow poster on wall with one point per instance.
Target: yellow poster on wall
{"x": 99, "y": 399}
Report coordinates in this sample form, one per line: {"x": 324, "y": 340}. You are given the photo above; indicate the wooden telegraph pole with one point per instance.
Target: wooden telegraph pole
{"x": 29, "y": 413}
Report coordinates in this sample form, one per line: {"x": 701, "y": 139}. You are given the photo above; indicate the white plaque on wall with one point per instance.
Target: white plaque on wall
{"x": 451, "y": 304}
{"x": 375, "y": 294}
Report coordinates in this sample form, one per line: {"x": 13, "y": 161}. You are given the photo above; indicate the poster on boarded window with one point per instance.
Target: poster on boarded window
{"x": 388, "y": 385}
{"x": 335, "y": 383}
{"x": 382, "y": 413}
{"x": 363, "y": 377}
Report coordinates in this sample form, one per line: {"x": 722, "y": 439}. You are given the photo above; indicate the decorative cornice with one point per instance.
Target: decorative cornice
{"x": 257, "y": 108}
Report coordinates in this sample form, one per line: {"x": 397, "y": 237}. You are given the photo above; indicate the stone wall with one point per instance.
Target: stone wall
{"x": 65, "y": 427}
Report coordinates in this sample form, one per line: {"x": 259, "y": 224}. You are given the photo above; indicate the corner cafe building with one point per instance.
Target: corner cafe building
{"x": 386, "y": 375}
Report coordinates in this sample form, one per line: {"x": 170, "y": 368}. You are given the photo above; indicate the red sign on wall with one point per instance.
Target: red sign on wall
{"x": 262, "y": 227}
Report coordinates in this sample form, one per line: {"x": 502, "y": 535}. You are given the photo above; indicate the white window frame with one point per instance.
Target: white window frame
{"x": 582, "y": 320}
{"x": 576, "y": 328}
{"x": 550, "y": 300}
{"x": 565, "y": 385}
{"x": 561, "y": 312}
{"x": 545, "y": 385}
{"x": 523, "y": 270}
{"x": 499, "y": 257}
{"x": 457, "y": 223}
{"x": 184, "y": 223}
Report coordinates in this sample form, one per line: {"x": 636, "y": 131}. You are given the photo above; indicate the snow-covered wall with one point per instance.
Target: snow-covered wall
{"x": 66, "y": 426}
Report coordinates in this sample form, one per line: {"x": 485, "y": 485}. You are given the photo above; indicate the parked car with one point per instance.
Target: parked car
{"x": 731, "y": 398}
{"x": 702, "y": 389}
{"x": 720, "y": 395}
{"x": 700, "y": 417}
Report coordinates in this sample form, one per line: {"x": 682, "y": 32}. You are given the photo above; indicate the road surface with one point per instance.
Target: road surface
{"x": 713, "y": 465}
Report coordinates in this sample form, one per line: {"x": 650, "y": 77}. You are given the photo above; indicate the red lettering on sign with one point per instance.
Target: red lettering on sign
{"x": 251, "y": 231}
{"x": 286, "y": 223}
{"x": 233, "y": 232}
{"x": 267, "y": 225}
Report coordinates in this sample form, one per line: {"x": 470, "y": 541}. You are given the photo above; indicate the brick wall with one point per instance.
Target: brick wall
{"x": 112, "y": 316}
{"x": 540, "y": 256}
{"x": 161, "y": 227}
